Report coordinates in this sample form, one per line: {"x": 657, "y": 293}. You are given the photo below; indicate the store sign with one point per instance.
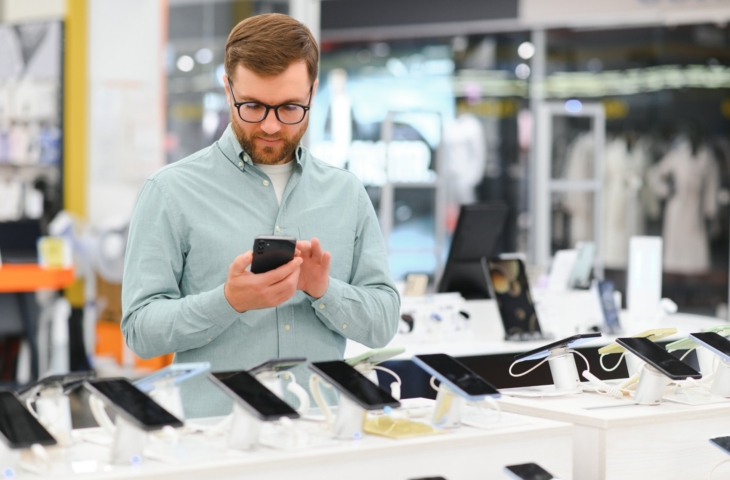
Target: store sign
{"x": 596, "y": 12}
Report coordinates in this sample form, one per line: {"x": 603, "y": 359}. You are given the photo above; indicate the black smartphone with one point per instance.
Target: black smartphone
{"x": 528, "y": 471}
{"x": 354, "y": 385}
{"x": 723, "y": 443}
{"x": 507, "y": 282}
{"x": 605, "y": 289}
{"x": 18, "y": 428}
{"x": 569, "y": 342}
{"x": 456, "y": 375}
{"x": 252, "y": 395}
{"x": 272, "y": 251}
{"x": 277, "y": 365}
{"x": 133, "y": 405}
{"x": 68, "y": 382}
{"x": 658, "y": 358}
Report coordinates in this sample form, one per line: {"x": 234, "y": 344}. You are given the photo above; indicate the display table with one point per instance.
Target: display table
{"x": 463, "y": 454}
{"x": 616, "y": 439}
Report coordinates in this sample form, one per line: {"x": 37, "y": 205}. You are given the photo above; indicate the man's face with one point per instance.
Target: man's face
{"x": 270, "y": 142}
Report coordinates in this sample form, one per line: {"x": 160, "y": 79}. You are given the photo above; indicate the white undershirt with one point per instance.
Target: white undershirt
{"x": 279, "y": 175}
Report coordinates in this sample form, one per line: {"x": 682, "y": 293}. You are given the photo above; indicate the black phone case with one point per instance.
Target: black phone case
{"x": 271, "y": 251}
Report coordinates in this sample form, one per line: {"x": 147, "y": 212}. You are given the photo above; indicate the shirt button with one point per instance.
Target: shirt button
{"x": 287, "y": 327}
{"x": 321, "y": 306}
{"x": 277, "y": 229}
{"x": 344, "y": 326}
{"x": 208, "y": 340}
{"x": 240, "y": 164}
{"x": 286, "y": 376}
{"x": 266, "y": 183}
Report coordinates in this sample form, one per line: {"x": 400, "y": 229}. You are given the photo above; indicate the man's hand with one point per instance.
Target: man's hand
{"x": 314, "y": 277}
{"x": 249, "y": 291}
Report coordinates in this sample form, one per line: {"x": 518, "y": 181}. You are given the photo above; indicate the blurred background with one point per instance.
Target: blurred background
{"x": 593, "y": 121}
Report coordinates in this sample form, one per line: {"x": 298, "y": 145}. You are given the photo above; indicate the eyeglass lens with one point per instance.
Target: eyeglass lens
{"x": 255, "y": 112}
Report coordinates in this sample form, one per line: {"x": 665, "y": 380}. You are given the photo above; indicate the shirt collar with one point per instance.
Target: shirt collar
{"x": 231, "y": 148}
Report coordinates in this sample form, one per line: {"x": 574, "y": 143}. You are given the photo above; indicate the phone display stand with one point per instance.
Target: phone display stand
{"x": 705, "y": 360}
{"x": 449, "y": 408}
{"x": 721, "y": 382}
{"x": 633, "y": 363}
{"x": 564, "y": 371}
{"x": 651, "y": 386}
{"x": 128, "y": 441}
{"x": 9, "y": 461}
{"x": 350, "y": 420}
{"x": 167, "y": 394}
{"x": 53, "y": 410}
{"x": 245, "y": 430}
{"x": 272, "y": 380}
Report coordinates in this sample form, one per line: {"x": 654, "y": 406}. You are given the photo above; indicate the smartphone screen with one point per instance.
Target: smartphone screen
{"x": 258, "y": 399}
{"x": 569, "y": 342}
{"x": 659, "y": 358}
{"x": 354, "y": 385}
{"x": 608, "y": 305}
{"x": 508, "y": 282}
{"x": 277, "y": 365}
{"x": 271, "y": 252}
{"x": 68, "y": 382}
{"x": 138, "y": 407}
{"x": 19, "y": 428}
{"x": 528, "y": 471}
{"x": 450, "y": 370}
{"x": 722, "y": 442}
{"x": 717, "y": 343}
{"x": 583, "y": 266}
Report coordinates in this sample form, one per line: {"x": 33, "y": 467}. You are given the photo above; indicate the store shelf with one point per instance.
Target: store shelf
{"x": 31, "y": 277}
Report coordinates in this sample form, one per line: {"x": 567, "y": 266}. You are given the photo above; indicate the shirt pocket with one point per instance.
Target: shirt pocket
{"x": 339, "y": 241}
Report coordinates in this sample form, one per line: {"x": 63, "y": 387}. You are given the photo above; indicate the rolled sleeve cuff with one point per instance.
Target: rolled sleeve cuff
{"x": 216, "y": 306}
{"x": 329, "y": 308}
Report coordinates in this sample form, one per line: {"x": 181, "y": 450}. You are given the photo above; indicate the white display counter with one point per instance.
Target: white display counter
{"x": 485, "y": 335}
{"x": 466, "y": 453}
{"x": 616, "y": 439}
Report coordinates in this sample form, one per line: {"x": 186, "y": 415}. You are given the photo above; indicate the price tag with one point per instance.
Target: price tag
{"x": 54, "y": 252}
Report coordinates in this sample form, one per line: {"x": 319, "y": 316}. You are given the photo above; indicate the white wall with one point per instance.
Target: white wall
{"x": 126, "y": 102}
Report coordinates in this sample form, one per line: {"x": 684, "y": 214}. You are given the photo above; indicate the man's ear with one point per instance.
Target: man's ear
{"x": 314, "y": 88}
{"x": 227, "y": 88}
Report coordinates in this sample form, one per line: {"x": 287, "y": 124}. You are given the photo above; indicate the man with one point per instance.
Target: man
{"x": 187, "y": 288}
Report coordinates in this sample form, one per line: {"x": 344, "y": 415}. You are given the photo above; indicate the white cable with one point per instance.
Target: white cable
{"x": 528, "y": 371}
{"x": 615, "y": 366}
{"x": 588, "y": 365}
{"x": 686, "y": 353}
{"x": 600, "y": 387}
{"x": 709, "y": 477}
{"x": 314, "y": 383}
{"x": 395, "y": 387}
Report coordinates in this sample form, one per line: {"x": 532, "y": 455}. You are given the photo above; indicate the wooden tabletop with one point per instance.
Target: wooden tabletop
{"x": 17, "y": 278}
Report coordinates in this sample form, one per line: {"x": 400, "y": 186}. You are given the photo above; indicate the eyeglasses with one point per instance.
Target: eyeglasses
{"x": 256, "y": 112}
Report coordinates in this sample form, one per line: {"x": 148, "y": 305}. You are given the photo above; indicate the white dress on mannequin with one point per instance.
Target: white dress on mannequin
{"x": 692, "y": 199}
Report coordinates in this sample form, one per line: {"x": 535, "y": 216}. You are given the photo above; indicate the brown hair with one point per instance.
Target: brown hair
{"x": 268, "y": 44}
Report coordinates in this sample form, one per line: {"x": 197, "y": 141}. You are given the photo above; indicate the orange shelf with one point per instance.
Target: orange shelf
{"x": 17, "y": 278}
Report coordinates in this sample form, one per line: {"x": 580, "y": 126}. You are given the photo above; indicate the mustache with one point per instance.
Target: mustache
{"x": 269, "y": 137}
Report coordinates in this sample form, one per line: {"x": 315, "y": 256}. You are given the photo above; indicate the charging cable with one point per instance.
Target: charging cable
{"x": 709, "y": 477}
{"x": 523, "y": 373}
{"x": 395, "y": 387}
{"x": 615, "y": 366}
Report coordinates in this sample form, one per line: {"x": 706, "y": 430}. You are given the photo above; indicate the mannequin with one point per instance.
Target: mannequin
{"x": 690, "y": 181}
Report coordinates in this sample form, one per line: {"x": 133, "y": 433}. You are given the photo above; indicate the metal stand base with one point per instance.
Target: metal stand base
{"x": 245, "y": 430}
{"x": 651, "y": 386}
{"x": 448, "y": 410}
{"x": 350, "y": 420}
{"x": 721, "y": 383}
{"x": 129, "y": 442}
{"x": 167, "y": 395}
{"x": 564, "y": 371}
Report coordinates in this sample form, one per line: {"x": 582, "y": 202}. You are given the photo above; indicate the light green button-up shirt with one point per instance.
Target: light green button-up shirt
{"x": 195, "y": 216}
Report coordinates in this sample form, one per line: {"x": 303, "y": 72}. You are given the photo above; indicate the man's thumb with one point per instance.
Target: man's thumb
{"x": 239, "y": 265}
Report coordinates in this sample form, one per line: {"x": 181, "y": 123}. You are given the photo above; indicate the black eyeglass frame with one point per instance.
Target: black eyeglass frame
{"x": 271, "y": 107}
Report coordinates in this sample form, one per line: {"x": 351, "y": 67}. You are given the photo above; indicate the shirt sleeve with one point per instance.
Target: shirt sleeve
{"x": 156, "y": 318}
{"x": 365, "y": 310}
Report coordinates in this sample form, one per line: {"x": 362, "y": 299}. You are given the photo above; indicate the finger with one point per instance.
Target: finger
{"x": 278, "y": 274}
{"x": 240, "y": 263}
{"x": 326, "y": 261}
{"x": 305, "y": 247}
{"x": 317, "y": 250}
{"x": 297, "y": 252}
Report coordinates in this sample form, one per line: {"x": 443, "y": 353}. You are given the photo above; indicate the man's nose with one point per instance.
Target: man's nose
{"x": 271, "y": 124}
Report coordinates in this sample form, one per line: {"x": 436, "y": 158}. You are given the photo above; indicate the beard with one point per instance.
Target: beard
{"x": 268, "y": 155}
